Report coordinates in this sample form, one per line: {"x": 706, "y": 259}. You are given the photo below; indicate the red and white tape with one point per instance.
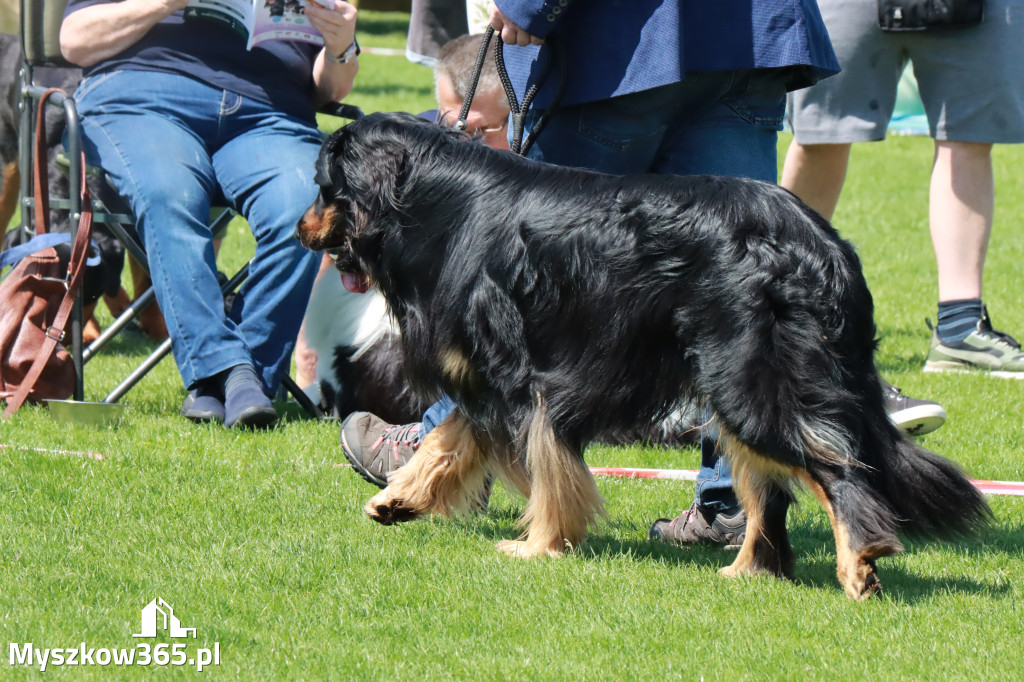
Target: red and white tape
{"x": 1000, "y": 487}
{"x": 667, "y": 474}
{"x": 987, "y": 487}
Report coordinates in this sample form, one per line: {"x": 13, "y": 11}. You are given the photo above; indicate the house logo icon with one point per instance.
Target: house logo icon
{"x": 158, "y": 611}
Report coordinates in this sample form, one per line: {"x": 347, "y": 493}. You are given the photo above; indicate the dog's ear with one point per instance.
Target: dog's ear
{"x": 330, "y": 171}
{"x": 374, "y": 165}
{"x": 391, "y": 172}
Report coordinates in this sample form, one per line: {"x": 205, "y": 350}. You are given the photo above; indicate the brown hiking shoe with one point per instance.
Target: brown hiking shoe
{"x": 696, "y": 525}
{"x": 376, "y": 448}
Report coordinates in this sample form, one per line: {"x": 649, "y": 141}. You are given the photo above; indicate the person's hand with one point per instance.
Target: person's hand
{"x": 336, "y": 21}
{"x": 510, "y": 33}
{"x": 170, "y": 6}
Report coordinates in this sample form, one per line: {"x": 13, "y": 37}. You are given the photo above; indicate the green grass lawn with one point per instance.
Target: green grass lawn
{"x": 258, "y": 539}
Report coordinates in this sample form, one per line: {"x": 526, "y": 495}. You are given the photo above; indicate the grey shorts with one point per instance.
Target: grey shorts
{"x": 971, "y": 80}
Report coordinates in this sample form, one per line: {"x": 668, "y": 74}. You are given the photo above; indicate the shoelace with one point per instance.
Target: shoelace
{"x": 685, "y": 516}
{"x": 985, "y": 328}
{"x": 896, "y": 394}
{"x": 407, "y": 434}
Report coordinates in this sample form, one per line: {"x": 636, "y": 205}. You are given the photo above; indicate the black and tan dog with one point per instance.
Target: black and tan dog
{"x": 551, "y": 303}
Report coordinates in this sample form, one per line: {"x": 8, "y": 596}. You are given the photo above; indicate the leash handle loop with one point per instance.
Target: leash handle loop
{"x": 517, "y": 111}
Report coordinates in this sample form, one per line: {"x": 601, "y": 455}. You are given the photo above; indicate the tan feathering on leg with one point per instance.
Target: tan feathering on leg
{"x": 447, "y": 475}
{"x": 564, "y": 499}
{"x": 761, "y": 488}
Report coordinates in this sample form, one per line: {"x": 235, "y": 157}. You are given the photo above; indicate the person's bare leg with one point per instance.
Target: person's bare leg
{"x": 816, "y": 173}
{"x": 306, "y": 357}
{"x": 961, "y": 203}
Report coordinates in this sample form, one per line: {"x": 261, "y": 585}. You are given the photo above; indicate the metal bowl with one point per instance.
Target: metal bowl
{"x": 86, "y": 413}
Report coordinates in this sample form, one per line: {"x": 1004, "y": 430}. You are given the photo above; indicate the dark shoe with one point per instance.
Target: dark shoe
{"x": 912, "y": 415}
{"x": 376, "y": 448}
{"x": 201, "y": 407}
{"x": 699, "y": 526}
{"x": 245, "y": 403}
{"x": 250, "y": 408}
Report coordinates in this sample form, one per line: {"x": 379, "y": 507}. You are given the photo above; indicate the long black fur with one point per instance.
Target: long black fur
{"x": 613, "y": 298}
{"x": 368, "y": 374}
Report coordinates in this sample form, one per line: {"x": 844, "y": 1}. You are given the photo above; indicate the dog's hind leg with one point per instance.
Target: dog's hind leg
{"x": 762, "y": 487}
{"x": 861, "y": 526}
{"x": 448, "y": 474}
{"x": 511, "y": 468}
{"x": 564, "y": 499}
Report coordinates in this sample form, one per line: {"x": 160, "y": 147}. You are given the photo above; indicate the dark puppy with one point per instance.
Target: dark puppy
{"x": 552, "y": 303}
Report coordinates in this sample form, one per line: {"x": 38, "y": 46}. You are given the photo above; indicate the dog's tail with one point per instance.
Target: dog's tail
{"x": 886, "y": 485}
{"x": 931, "y": 496}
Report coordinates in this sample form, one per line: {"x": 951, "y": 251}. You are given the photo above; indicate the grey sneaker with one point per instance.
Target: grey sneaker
{"x": 985, "y": 349}
{"x": 696, "y": 525}
{"x": 376, "y": 448}
{"x": 912, "y": 415}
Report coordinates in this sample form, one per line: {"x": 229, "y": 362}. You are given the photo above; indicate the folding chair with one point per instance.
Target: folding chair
{"x": 40, "y": 30}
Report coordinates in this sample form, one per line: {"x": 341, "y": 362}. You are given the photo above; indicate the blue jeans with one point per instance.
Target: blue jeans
{"x": 719, "y": 123}
{"x": 172, "y": 146}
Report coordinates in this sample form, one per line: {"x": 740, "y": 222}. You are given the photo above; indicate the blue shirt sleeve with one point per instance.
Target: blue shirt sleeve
{"x": 536, "y": 17}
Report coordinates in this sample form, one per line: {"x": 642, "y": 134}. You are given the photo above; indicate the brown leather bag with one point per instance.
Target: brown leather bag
{"x": 36, "y": 299}
{"x": 30, "y": 297}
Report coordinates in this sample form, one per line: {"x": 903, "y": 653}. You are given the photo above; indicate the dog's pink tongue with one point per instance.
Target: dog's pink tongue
{"x": 357, "y": 284}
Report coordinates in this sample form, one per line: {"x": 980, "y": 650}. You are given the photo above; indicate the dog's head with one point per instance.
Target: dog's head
{"x": 362, "y": 172}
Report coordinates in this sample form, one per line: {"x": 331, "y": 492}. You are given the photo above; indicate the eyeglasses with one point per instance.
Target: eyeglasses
{"x": 448, "y": 118}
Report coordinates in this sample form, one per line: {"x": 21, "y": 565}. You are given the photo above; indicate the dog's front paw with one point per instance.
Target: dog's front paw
{"x": 387, "y": 510}
{"x": 526, "y": 550}
{"x": 869, "y": 588}
{"x": 861, "y": 582}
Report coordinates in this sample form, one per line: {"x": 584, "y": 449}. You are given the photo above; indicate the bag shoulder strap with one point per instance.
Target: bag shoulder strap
{"x": 76, "y": 266}
{"x": 40, "y": 167}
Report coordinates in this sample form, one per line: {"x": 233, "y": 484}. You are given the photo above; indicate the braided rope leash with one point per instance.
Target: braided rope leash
{"x": 517, "y": 110}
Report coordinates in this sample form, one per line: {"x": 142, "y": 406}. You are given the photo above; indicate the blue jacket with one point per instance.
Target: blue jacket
{"x": 614, "y": 47}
